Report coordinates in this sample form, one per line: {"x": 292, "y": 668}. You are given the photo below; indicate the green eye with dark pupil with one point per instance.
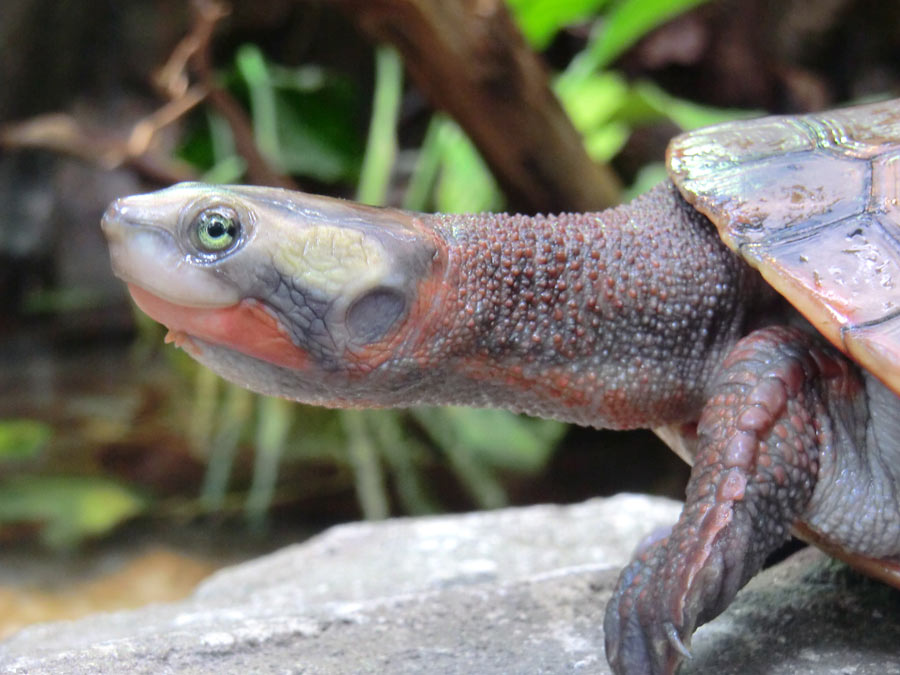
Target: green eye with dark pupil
{"x": 216, "y": 230}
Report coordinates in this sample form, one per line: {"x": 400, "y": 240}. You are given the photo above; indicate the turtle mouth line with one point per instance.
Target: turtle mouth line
{"x": 245, "y": 326}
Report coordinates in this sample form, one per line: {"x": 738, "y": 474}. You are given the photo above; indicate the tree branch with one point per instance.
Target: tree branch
{"x": 469, "y": 59}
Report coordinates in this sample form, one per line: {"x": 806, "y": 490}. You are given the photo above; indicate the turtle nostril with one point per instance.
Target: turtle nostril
{"x": 117, "y": 217}
{"x": 111, "y": 219}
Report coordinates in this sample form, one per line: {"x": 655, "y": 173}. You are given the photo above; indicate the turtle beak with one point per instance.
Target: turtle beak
{"x": 141, "y": 231}
{"x": 160, "y": 209}
{"x": 121, "y": 224}
{"x": 112, "y": 218}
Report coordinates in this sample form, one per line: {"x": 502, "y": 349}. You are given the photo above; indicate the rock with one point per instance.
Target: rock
{"x": 808, "y": 615}
{"x": 512, "y": 591}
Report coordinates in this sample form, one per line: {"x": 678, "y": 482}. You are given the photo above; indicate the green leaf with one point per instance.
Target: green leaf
{"x": 505, "y": 440}
{"x": 474, "y": 473}
{"x": 401, "y": 451}
{"x": 604, "y": 143}
{"x": 318, "y": 436}
{"x": 686, "y": 114}
{"x": 592, "y": 100}
{"x": 251, "y": 64}
{"x": 465, "y": 184}
{"x": 229, "y": 170}
{"x": 541, "y": 20}
{"x": 478, "y": 442}
{"x": 594, "y": 103}
{"x": 381, "y": 147}
{"x": 22, "y": 439}
{"x": 304, "y": 121}
{"x": 289, "y": 126}
{"x": 317, "y": 137}
{"x": 426, "y": 168}
{"x": 368, "y": 474}
{"x": 496, "y": 437}
{"x": 273, "y": 424}
{"x": 70, "y": 508}
{"x": 605, "y": 109}
{"x": 629, "y": 21}
{"x": 234, "y": 418}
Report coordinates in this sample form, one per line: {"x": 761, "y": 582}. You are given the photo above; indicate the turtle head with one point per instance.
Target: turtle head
{"x": 287, "y": 293}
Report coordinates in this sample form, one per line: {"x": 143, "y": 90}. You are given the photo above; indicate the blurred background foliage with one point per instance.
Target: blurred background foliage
{"x": 101, "y": 425}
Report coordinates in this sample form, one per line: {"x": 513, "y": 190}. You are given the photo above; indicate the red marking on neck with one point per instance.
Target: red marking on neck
{"x": 245, "y": 327}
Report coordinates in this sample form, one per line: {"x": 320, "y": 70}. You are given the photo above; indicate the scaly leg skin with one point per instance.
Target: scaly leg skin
{"x": 768, "y": 424}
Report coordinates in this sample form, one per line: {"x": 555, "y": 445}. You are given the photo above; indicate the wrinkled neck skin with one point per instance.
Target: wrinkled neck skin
{"x": 613, "y": 320}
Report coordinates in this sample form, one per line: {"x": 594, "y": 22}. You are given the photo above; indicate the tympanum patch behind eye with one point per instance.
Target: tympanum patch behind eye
{"x": 372, "y": 315}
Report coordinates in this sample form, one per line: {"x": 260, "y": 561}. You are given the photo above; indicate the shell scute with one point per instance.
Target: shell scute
{"x": 813, "y": 202}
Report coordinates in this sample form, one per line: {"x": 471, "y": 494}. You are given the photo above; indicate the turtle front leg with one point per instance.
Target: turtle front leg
{"x": 758, "y": 452}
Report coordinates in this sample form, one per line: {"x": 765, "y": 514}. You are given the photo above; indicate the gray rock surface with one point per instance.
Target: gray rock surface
{"x": 512, "y": 591}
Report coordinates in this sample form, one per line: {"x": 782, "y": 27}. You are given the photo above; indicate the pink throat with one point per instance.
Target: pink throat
{"x": 245, "y": 327}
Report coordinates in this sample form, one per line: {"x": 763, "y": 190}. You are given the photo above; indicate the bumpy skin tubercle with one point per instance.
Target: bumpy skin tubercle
{"x": 782, "y": 406}
{"x": 611, "y": 320}
{"x": 634, "y": 317}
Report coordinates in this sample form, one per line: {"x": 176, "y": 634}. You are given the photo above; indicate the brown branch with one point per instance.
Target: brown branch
{"x": 143, "y": 132}
{"x": 189, "y": 60}
{"x": 172, "y": 79}
{"x": 469, "y": 59}
{"x": 259, "y": 171}
{"x": 194, "y": 53}
{"x": 66, "y": 135}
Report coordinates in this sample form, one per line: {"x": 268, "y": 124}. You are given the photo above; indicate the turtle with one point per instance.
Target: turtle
{"x": 747, "y": 309}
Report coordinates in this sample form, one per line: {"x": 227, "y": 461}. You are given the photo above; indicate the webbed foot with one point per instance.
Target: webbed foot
{"x": 758, "y": 447}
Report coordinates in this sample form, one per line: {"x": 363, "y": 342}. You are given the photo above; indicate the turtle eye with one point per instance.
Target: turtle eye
{"x": 215, "y": 230}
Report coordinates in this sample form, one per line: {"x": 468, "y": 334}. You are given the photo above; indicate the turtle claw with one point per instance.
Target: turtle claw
{"x": 755, "y": 468}
{"x": 675, "y": 640}
{"x": 638, "y": 641}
